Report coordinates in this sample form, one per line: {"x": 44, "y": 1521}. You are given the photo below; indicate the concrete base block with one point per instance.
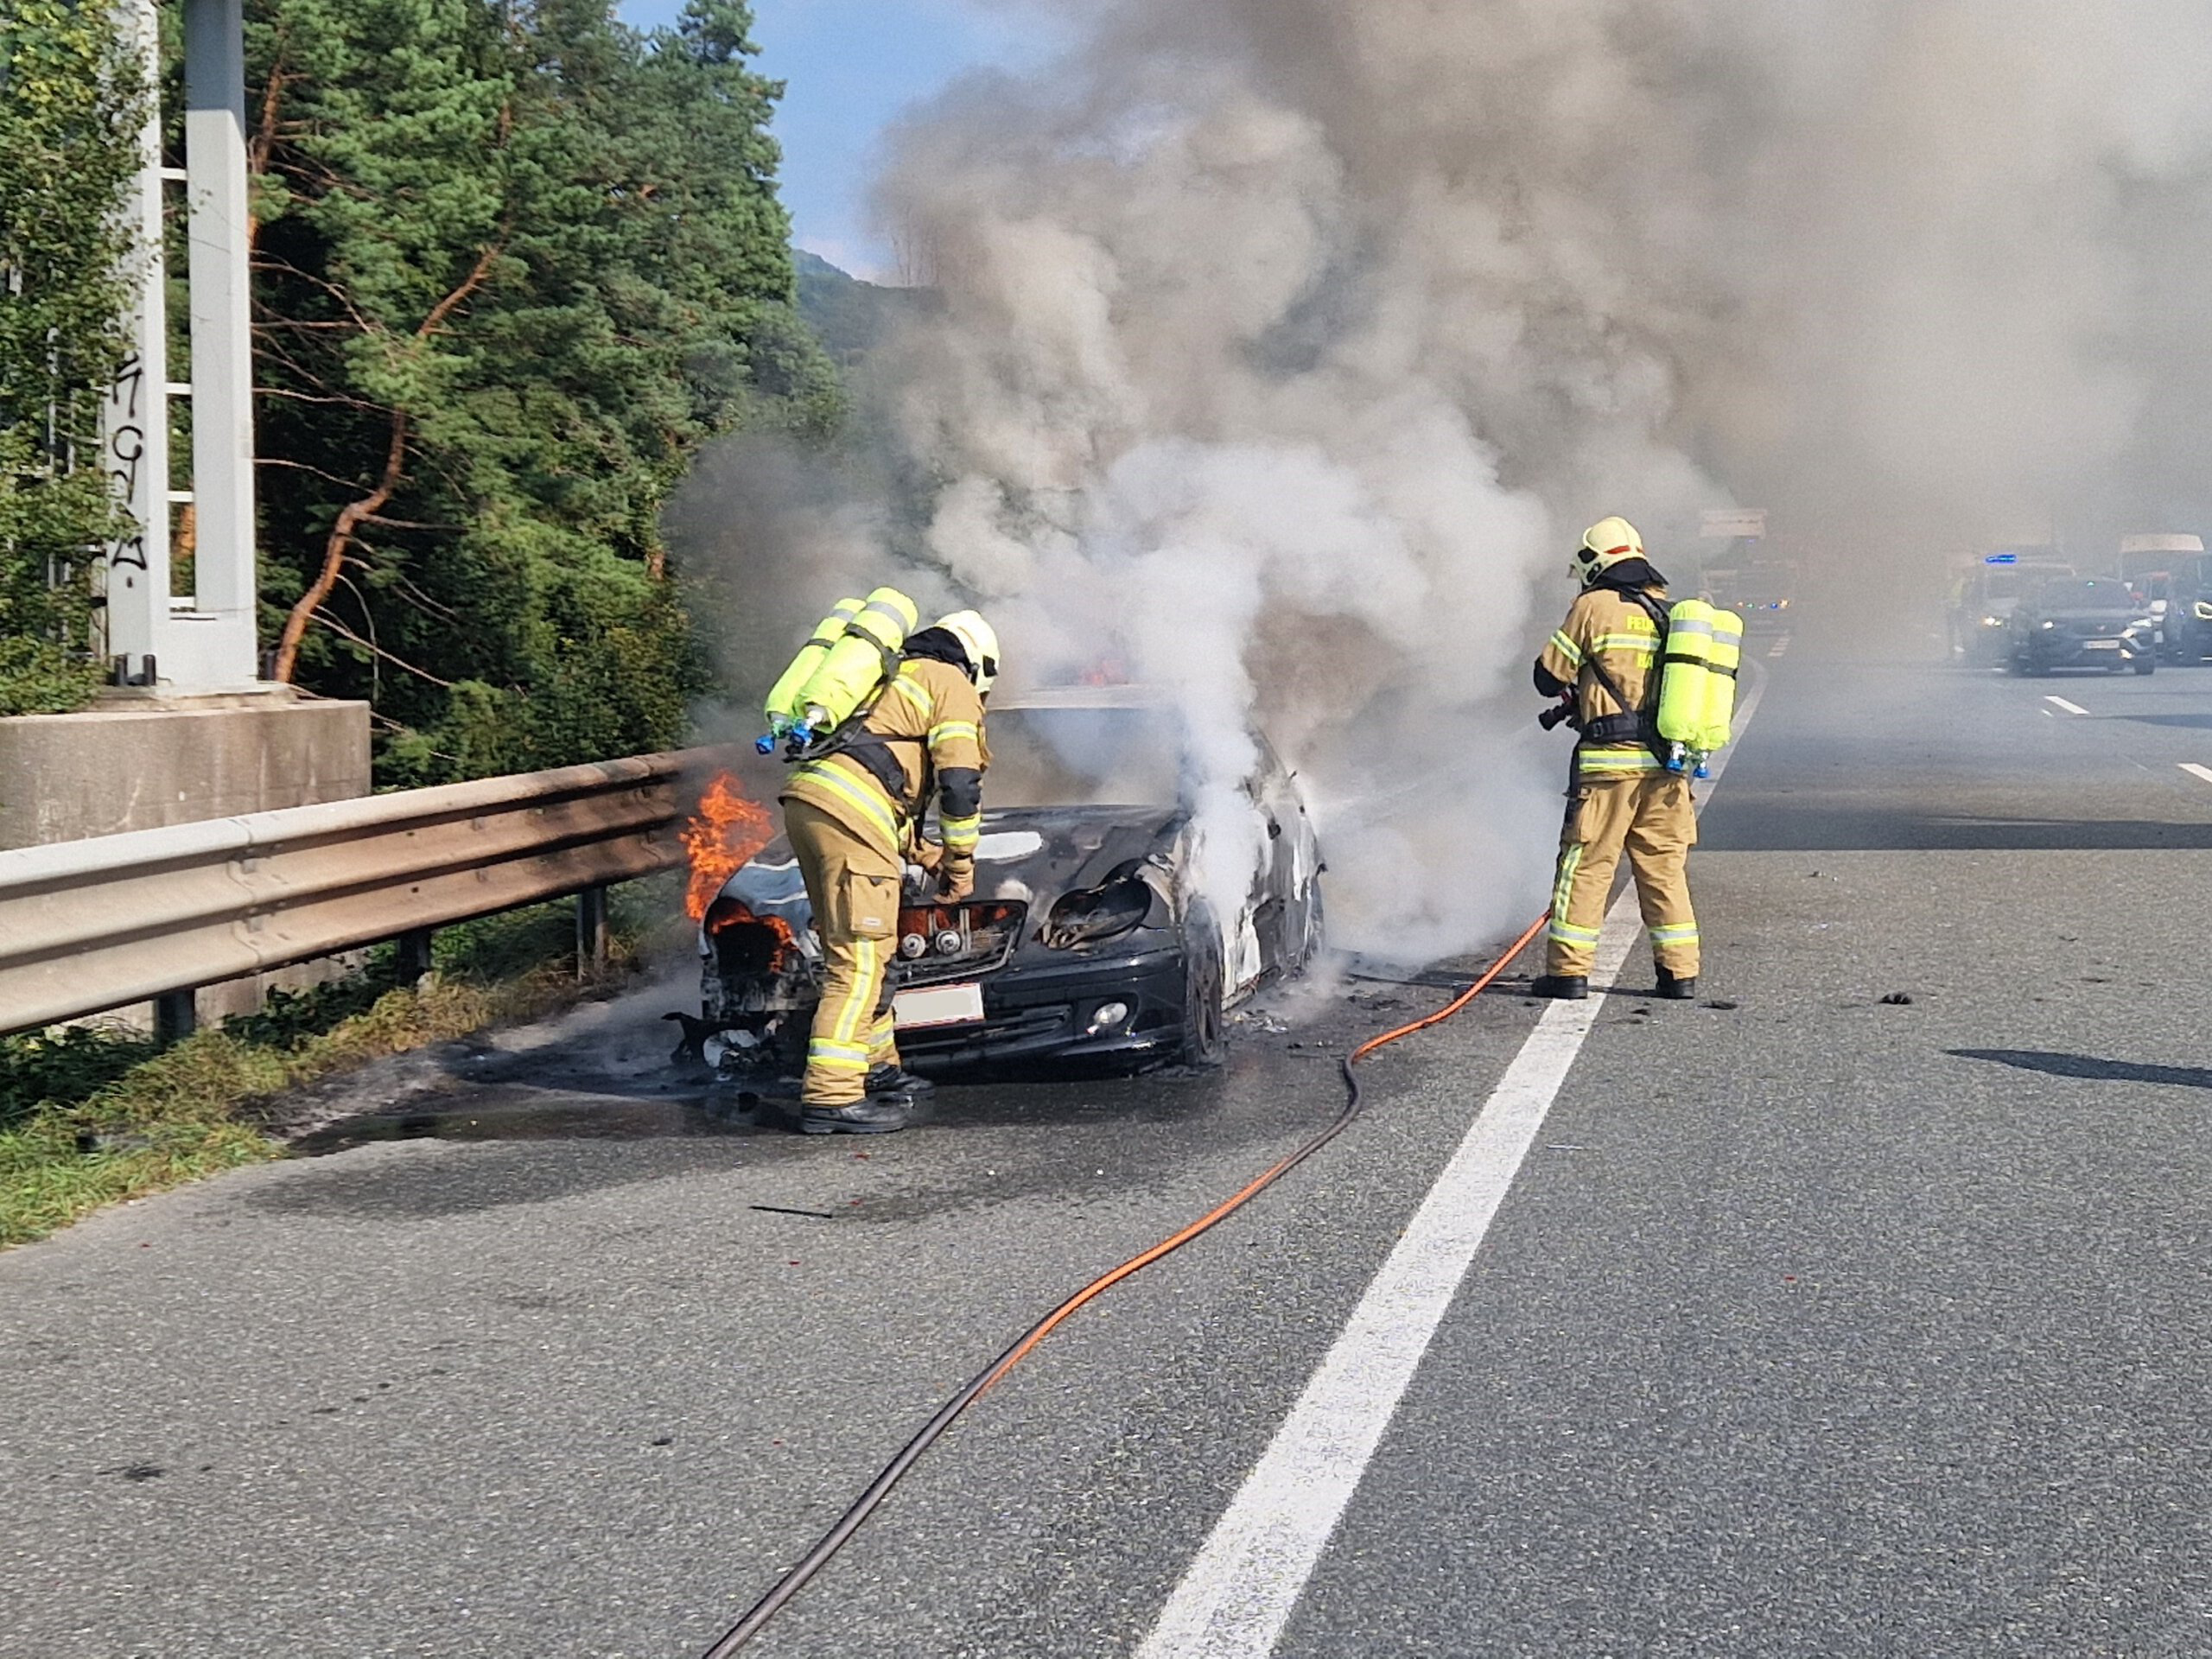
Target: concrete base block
{"x": 139, "y": 760}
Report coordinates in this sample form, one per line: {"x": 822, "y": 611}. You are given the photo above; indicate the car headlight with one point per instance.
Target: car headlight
{"x": 1118, "y": 905}
{"x": 2140, "y": 622}
{"x": 1992, "y": 621}
{"x": 2049, "y": 625}
{"x": 2203, "y": 611}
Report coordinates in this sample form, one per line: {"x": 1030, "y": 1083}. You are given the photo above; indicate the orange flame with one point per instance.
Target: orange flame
{"x": 724, "y": 833}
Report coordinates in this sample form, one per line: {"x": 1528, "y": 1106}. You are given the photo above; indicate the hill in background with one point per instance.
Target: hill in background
{"x": 850, "y": 316}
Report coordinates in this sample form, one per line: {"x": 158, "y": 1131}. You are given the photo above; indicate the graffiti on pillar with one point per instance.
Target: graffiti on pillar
{"x": 126, "y": 455}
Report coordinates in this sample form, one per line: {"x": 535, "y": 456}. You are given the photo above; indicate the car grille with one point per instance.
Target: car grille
{"x": 987, "y": 932}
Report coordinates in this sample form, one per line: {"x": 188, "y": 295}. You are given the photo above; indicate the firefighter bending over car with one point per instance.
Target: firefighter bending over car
{"x": 1629, "y": 788}
{"x": 854, "y": 808}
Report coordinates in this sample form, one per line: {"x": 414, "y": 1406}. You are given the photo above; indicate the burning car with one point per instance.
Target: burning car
{"x": 1086, "y": 938}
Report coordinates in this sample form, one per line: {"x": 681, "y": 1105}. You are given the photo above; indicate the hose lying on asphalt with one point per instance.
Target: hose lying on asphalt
{"x": 834, "y": 1539}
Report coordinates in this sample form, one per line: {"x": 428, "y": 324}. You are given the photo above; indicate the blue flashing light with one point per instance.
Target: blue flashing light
{"x": 2002, "y": 558}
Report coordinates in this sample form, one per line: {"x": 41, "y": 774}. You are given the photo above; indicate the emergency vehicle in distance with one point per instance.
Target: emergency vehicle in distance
{"x": 1985, "y": 595}
{"x": 1760, "y": 590}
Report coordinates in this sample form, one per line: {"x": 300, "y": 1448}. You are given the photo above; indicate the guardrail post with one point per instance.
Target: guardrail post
{"x": 413, "y": 964}
{"x": 591, "y": 933}
{"x": 176, "y": 1016}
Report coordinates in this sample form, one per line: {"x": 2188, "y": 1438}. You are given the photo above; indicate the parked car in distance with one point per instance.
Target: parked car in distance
{"x": 2082, "y": 622}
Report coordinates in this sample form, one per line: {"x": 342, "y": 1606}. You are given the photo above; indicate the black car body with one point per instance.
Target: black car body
{"x": 1086, "y": 938}
{"x": 2083, "y": 622}
{"x": 1761, "y": 591}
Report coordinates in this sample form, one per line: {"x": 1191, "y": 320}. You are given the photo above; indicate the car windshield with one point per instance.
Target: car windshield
{"x": 1083, "y": 757}
{"x": 2087, "y": 595}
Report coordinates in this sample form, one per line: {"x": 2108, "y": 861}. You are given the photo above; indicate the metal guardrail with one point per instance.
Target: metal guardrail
{"x": 89, "y": 926}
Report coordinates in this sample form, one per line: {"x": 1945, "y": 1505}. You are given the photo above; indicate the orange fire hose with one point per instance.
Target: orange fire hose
{"x": 831, "y": 1542}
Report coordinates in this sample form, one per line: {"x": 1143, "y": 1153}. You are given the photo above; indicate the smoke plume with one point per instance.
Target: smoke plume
{"x": 1286, "y": 347}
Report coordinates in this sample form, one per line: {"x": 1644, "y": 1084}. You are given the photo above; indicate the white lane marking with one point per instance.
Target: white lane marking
{"x": 1240, "y": 1591}
{"x": 2070, "y": 708}
{"x": 2191, "y": 766}
{"x": 1778, "y": 646}
{"x": 1238, "y": 1594}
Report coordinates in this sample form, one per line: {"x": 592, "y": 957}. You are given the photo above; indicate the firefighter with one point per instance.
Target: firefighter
{"x": 854, "y": 817}
{"x": 1604, "y": 664}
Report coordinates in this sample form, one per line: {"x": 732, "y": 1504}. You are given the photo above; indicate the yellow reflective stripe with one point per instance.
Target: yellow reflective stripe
{"x": 870, "y": 800}
{"x": 917, "y": 695}
{"x": 1567, "y": 933}
{"x": 961, "y": 835}
{"x": 1618, "y": 760}
{"x": 824, "y": 1057}
{"x": 1563, "y": 889}
{"x": 1640, "y": 644}
{"x": 1568, "y": 649}
{"x": 861, "y": 1004}
{"x": 1675, "y": 934}
{"x": 947, "y": 730}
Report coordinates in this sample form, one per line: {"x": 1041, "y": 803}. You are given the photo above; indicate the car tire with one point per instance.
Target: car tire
{"x": 1205, "y": 1031}
{"x": 2146, "y": 666}
{"x": 1315, "y": 938}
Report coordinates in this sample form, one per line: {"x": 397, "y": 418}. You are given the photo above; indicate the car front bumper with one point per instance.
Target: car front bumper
{"x": 1048, "y": 1011}
{"x": 2110, "y": 651}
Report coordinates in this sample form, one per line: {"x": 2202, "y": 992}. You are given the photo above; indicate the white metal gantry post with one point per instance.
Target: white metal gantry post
{"x": 207, "y": 642}
{"x": 136, "y": 436}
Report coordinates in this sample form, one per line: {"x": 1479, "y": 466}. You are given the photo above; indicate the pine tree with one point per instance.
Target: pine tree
{"x": 70, "y": 107}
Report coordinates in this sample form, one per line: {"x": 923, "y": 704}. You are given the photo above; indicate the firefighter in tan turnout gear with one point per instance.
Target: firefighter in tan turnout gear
{"x": 854, "y": 817}
{"x": 1604, "y": 666}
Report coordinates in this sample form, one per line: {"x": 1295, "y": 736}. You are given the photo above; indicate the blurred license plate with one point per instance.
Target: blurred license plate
{"x": 2102, "y": 645}
{"x": 938, "y": 1005}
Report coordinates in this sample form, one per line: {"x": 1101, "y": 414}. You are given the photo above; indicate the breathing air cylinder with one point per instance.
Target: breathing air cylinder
{"x": 866, "y": 651}
{"x": 783, "y": 707}
{"x": 1720, "y": 681}
{"x": 1685, "y": 675}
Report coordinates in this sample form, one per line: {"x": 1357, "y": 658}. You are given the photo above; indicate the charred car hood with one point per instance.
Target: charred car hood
{"x": 1035, "y": 854}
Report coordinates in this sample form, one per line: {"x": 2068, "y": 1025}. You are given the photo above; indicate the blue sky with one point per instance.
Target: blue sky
{"x": 851, "y": 66}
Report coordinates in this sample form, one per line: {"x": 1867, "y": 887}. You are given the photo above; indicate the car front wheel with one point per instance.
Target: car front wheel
{"x": 1206, "y": 1040}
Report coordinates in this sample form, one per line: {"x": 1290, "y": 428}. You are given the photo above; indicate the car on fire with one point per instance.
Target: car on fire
{"x": 2082, "y": 622}
{"x": 1087, "y": 938}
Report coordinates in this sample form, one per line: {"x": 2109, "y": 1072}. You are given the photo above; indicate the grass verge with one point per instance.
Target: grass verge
{"x": 92, "y": 1116}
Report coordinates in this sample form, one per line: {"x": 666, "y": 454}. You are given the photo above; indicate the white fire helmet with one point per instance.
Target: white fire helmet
{"x": 1607, "y": 541}
{"x": 980, "y": 641}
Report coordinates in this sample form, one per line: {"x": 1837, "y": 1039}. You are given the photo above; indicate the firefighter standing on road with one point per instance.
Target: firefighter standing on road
{"x": 1604, "y": 661}
{"x": 854, "y": 817}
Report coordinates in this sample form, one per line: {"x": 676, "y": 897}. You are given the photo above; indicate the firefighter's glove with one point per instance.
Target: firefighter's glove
{"x": 955, "y": 878}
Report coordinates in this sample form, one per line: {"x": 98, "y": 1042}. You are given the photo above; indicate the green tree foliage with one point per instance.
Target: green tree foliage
{"x": 69, "y": 113}
{"x": 514, "y": 265}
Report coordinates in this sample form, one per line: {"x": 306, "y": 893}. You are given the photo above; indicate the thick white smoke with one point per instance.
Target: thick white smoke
{"x": 1286, "y": 345}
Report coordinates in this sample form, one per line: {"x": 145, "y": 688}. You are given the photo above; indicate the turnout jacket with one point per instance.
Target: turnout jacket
{"x": 1606, "y": 625}
{"x": 929, "y": 722}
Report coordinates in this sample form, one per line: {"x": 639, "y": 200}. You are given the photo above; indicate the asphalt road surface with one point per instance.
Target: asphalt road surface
{"x": 1809, "y": 1323}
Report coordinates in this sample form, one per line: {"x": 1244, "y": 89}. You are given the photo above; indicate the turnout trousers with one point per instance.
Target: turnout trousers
{"x": 1645, "y": 811}
{"x": 853, "y": 887}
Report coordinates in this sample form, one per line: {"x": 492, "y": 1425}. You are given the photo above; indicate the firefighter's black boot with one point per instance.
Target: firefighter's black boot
{"x": 1677, "y": 988}
{"x": 897, "y": 1080}
{"x": 877, "y": 1115}
{"x": 1565, "y": 987}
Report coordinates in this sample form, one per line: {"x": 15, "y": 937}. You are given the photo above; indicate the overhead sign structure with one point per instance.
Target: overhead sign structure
{"x": 1728, "y": 524}
{"x": 2162, "y": 544}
